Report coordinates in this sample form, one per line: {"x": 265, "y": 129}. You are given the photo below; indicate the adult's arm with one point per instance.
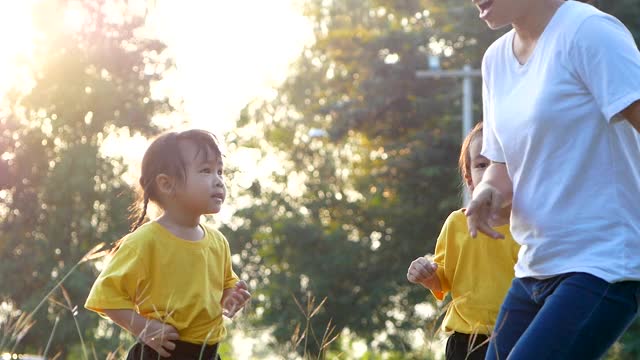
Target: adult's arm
{"x": 632, "y": 114}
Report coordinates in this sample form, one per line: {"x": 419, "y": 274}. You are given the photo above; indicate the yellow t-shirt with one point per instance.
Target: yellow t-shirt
{"x": 477, "y": 272}
{"x": 170, "y": 279}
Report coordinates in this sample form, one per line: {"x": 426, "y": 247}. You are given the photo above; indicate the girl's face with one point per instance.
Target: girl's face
{"x": 499, "y": 13}
{"x": 204, "y": 190}
{"x": 479, "y": 163}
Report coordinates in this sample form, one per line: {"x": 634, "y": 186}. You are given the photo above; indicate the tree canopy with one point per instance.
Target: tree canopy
{"x": 61, "y": 195}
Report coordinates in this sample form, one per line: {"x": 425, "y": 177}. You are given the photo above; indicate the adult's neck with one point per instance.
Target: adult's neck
{"x": 530, "y": 26}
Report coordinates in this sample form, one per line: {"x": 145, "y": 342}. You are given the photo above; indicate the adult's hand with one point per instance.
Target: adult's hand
{"x": 484, "y": 207}
{"x": 490, "y": 198}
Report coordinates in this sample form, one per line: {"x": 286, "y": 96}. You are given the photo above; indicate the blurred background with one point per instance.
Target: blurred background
{"x": 341, "y": 122}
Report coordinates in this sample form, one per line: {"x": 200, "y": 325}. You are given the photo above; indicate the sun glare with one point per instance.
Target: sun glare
{"x": 16, "y": 34}
{"x": 74, "y": 16}
{"x": 229, "y": 52}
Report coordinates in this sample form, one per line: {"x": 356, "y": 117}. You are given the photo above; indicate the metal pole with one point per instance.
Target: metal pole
{"x": 467, "y": 102}
{"x": 467, "y": 115}
{"x": 467, "y": 74}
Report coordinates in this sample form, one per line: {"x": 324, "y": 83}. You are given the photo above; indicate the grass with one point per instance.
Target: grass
{"x": 16, "y": 324}
{"x": 309, "y": 311}
{"x": 15, "y": 328}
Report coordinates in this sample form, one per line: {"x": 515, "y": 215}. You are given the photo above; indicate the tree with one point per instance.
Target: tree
{"x": 61, "y": 195}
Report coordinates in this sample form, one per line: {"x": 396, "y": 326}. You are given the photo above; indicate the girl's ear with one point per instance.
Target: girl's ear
{"x": 469, "y": 182}
{"x": 165, "y": 184}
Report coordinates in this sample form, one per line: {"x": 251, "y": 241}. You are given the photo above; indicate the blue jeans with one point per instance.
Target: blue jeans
{"x": 569, "y": 316}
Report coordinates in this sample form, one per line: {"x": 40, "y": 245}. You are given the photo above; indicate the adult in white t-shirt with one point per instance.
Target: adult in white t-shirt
{"x": 561, "y": 96}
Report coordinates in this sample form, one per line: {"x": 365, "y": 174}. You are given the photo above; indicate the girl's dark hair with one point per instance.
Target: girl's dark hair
{"x": 164, "y": 157}
{"x": 464, "y": 162}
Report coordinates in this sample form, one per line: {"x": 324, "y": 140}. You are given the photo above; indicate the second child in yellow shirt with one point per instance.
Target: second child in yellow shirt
{"x": 170, "y": 281}
{"x": 476, "y": 272}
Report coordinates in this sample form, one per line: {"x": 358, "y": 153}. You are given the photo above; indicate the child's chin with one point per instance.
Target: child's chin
{"x": 212, "y": 211}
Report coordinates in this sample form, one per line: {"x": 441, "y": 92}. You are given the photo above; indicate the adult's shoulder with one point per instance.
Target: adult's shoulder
{"x": 579, "y": 11}
{"x": 495, "y": 51}
{"x": 584, "y": 22}
{"x": 499, "y": 44}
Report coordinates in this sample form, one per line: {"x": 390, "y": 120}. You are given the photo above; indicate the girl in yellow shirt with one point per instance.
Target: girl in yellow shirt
{"x": 477, "y": 272}
{"x": 171, "y": 280}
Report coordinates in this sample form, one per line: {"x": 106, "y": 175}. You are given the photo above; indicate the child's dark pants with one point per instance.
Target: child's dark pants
{"x": 466, "y": 347}
{"x": 183, "y": 351}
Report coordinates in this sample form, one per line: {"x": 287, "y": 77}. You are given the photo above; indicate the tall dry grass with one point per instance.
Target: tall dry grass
{"x": 16, "y": 324}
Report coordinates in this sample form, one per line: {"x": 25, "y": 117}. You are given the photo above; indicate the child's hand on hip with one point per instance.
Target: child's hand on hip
{"x": 421, "y": 270}
{"x": 159, "y": 336}
{"x": 234, "y": 299}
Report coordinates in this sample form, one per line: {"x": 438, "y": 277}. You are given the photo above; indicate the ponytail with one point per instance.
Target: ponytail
{"x": 138, "y": 213}
{"x": 142, "y": 214}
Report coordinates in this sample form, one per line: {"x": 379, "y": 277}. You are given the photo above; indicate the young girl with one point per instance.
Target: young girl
{"x": 477, "y": 272}
{"x": 170, "y": 280}
{"x": 561, "y": 94}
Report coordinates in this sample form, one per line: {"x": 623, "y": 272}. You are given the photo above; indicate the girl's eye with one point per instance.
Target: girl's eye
{"x": 481, "y": 165}
{"x": 220, "y": 172}
{"x": 206, "y": 171}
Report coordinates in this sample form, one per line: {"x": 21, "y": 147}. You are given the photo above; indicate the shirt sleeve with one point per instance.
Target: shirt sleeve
{"x": 491, "y": 147}
{"x": 230, "y": 277}
{"x": 120, "y": 284}
{"x": 607, "y": 61}
{"x": 443, "y": 259}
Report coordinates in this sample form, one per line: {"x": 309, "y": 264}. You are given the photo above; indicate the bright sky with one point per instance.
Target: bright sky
{"x": 228, "y": 52}
{"x": 15, "y": 40}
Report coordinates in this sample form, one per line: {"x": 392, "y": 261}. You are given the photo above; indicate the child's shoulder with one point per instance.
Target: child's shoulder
{"x": 140, "y": 237}
{"x": 214, "y": 234}
{"x": 457, "y": 221}
{"x": 457, "y": 218}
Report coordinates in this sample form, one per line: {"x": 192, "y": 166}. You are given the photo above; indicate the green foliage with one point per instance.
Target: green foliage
{"x": 61, "y": 195}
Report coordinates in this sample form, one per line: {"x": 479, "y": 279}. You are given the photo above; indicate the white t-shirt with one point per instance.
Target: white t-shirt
{"x": 574, "y": 164}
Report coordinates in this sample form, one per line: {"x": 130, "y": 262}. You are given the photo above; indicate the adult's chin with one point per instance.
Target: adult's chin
{"x": 494, "y": 25}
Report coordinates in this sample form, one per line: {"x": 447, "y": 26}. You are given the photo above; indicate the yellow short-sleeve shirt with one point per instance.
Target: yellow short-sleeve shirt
{"x": 169, "y": 279}
{"x": 477, "y": 272}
